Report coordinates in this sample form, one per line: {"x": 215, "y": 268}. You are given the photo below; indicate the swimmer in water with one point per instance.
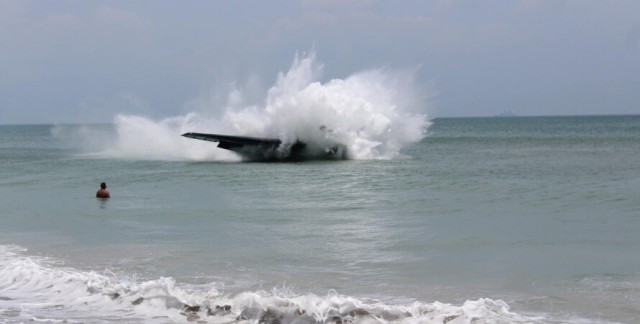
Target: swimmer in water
{"x": 103, "y": 192}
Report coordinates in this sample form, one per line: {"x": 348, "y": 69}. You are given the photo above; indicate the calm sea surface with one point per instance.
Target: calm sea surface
{"x": 497, "y": 220}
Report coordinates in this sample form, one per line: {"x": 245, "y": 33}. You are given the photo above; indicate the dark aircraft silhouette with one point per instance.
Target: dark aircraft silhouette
{"x": 270, "y": 149}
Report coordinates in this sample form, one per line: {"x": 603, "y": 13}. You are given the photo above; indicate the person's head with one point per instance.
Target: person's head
{"x": 103, "y": 186}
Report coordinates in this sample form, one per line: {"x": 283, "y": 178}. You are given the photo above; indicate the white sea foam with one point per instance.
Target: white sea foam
{"x": 35, "y": 289}
{"x": 373, "y": 114}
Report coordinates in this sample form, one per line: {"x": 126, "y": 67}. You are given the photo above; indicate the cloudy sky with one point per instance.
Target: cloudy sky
{"x": 85, "y": 61}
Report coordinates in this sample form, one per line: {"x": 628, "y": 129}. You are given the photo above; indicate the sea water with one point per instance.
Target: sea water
{"x": 447, "y": 220}
{"x": 495, "y": 220}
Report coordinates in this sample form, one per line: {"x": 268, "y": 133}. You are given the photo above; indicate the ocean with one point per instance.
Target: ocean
{"x": 484, "y": 220}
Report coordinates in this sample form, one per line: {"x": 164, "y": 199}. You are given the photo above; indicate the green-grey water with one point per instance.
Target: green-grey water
{"x": 541, "y": 213}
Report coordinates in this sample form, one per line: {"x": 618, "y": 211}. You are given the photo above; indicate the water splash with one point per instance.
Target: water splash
{"x": 373, "y": 114}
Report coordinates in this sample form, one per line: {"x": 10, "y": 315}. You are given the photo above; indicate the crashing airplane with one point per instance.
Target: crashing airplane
{"x": 271, "y": 149}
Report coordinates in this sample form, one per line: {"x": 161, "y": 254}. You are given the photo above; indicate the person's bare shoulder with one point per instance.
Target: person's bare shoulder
{"x": 102, "y": 193}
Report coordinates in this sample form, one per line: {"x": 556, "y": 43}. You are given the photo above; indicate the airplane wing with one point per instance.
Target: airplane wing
{"x": 268, "y": 149}
{"x": 235, "y": 143}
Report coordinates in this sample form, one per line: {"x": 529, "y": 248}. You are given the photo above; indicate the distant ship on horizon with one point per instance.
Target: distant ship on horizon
{"x": 507, "y": 113}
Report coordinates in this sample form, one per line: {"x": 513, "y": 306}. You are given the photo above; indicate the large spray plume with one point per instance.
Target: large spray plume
{"x": 372, "y": 114}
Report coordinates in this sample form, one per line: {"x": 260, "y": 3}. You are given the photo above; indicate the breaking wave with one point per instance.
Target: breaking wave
{"x": 35, "y": 289}
{"x": 372, "y": 114}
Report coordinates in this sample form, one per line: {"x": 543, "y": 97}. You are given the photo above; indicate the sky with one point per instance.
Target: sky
{"x": 86, "y": 61}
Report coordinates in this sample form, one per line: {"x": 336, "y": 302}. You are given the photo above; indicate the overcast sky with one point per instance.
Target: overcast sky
{"x": 85, "y": 61}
